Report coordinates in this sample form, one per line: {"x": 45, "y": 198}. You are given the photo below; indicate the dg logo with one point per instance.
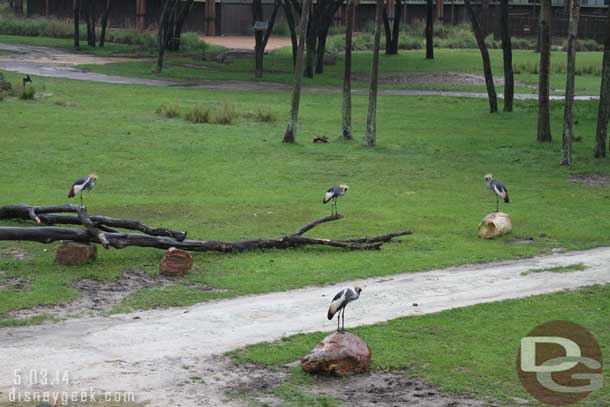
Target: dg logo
{"x": 560, "y": 363}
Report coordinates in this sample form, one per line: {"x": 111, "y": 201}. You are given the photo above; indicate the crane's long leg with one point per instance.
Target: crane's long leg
{"x": 343, "y": 321}
{"x": 81, "y": 199}
{"x": 497, "y": 203}
{"x": 338, "y": 318}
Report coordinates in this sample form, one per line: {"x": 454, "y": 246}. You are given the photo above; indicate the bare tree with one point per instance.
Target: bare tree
{"x": 176, "y": 23}
{"x": 370, "y": 137}
{"x": 290, "y": 134}
{"x": 347, "y": 76}
{"x": 105, "y": 23}
{"x": 76, "y": 13}
{"x": 507, "y": 52}
{"x": 261, "y": 34}
{"x": 603, "y": 112}
{"x": 291, "y": 13}
{"x": 480, "y": 37}
{"x": 392, "y": 33}
{"x": 544, "y": 118}
{"x": 169, "y": 7}
{"x": 429, "y": 29}
{"x": 90, "y": 18}
{"x": 568, "y": 121}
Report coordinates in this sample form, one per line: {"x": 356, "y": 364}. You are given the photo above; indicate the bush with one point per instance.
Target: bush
{"x": 27, "y": 93}
{"x": 192, "y": 42}
{"x": 60, "y": 28}
{"x": 169, "y": 110}
{"x": 265, "y": 116}
{"x": 281, "y": 28}
{"x": 198, "y": 114}
{"x": 410, "y": 42}
{"x": 227, "y": 115}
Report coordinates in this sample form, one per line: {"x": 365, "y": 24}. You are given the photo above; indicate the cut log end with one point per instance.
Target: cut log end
{"x": 494, "y": 225}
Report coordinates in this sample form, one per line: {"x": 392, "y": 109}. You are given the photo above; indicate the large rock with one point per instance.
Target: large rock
{"x": 75, "y": 254}
{"x": 176, "y": 262}
{"x": 339, "y": 354}
{"x": 495, "y": 224}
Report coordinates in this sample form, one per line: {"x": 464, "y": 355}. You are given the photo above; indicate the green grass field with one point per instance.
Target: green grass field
{"x": 192, "y": 67}
{"x": 240, "y": 181}
{"x": 469, "y": 350}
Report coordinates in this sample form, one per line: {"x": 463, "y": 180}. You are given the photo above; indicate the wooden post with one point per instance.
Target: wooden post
{"x": 140, "y": 15}
{"x": 210, "y": 16}
{"x": 440, "y": 10}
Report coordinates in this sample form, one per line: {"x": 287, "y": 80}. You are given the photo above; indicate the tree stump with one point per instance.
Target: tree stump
{"x": 339, "y": 354}
{"x": 176, "y": 262}
{"x": 75, "y": 254}
{"x": 495, "y": 224}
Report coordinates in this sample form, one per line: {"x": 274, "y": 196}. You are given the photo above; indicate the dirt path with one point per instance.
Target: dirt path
{"x": 57, "y": 63}
{"x": 246, "y": 42}
{"x": 157, "y": 353}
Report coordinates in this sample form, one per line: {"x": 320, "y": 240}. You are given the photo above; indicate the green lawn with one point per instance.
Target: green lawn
{"x": 240, "y": 181}
{"x": 469, "y": 350}
{"x": 278, "y": 68}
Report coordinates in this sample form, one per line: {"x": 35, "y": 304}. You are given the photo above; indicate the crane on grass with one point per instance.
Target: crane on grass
{"x": 498, "y": 189}
{"x": 339, "y": 302}
{"x": 332, "y": 194}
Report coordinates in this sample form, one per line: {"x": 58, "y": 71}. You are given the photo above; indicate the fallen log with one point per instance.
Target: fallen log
{"x": 96, "y": 230}
{"x": 495, "y": 224}
{"x": 47, "y": 215}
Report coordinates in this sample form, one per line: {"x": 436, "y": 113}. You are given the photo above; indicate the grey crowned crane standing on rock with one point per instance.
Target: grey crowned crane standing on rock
{"x": 498, "y": 189}
{"x": 26, "y": 79}
{"x": 338, "y": 304}
{"x": 81, "y": 184}
{"x": 332, "y": 194}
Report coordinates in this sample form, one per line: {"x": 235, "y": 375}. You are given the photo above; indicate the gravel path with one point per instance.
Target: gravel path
{"x": 57, "y": 63}
{"x": 156, "y": 353}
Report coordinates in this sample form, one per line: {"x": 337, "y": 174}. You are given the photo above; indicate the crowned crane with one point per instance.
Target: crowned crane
{"x": 498, "y": 189}
{"x": 26, "y": 79}
{"x": 332, "y": 194}
{"x": 87, "y": 182}
{"x": 338, "y": 304}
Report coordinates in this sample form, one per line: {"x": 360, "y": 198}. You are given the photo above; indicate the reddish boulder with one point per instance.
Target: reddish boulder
{"x": 75, "y": 254}
{"x": 339, "y": 354}
{"x": 176, "y": 262}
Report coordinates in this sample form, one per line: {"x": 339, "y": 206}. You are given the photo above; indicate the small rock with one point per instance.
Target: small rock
{"x": 320, "y": 140}
{"x": 75, "y": 254}
{"x": 176, "y": 262}
{"x": 339, "y": 354}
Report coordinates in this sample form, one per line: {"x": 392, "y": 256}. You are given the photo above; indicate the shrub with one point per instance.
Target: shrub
{"x": 410, "y": 42}
{"x": 227, "y": 115}
{"x": 5, "y": 86}
{"x": 281, "y": 28}
{"x": 27, "y": 93}
{"x": 59, "y": 28}
{"x": 265, "y": 116}
{"x": 198, "y": 114}
{"x": 169, "y": 110}
{"x": 192, "y": 42}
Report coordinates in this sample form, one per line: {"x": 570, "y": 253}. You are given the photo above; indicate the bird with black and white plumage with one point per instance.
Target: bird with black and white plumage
{"x": 332, "y": 194}
{"x": 82, "y": 184}
{"x": 498, "y": 189}
{"x": 339, "y": 302}
{"x": 26, "y": 79}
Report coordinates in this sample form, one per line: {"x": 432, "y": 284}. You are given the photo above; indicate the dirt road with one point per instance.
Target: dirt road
{"x": 56, "y": 63}
{"x": 156, "y": 353}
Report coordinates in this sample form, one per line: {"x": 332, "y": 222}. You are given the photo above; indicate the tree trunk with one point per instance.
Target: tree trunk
{"x": 429, "y": 30}
{"x": 568, "y": 122}
{"x": 311, "y": 40}
{"x": 257, "y": 15}
{"x": 76, "y": 12}
{"x": 479, "y": 36}
{"x": 507, "y": 51}
{"x": 370, "y": 138}
{"x": 347, "y": 75}
{"x": 289, "y": 13}
{"x": 495, "y": 224}
{"x": 392, "y": 32}
{"x": 92, "y": 17}
{"x": 180, "y": 15}
{"x": 96, "y": 231}
{"x": 105, "y": 23}
{"x": 168, "y": 5}
{"x": 603, "y": 112}
{"x": 291, "y": 130}
{"x": 18, "y": 7}
{"x": 544, "y": 119}
{"x": 321, "y": 48}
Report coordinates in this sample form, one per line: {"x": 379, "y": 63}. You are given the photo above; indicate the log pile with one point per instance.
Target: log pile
{"x": 104, "y": 230}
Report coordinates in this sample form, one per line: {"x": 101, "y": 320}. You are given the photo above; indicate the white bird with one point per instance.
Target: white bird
{"x": 332, "y": 194}
{"x": 497, "y": 188}
{"x": 81, "y": 184}
{"x": 339, "y": 303}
